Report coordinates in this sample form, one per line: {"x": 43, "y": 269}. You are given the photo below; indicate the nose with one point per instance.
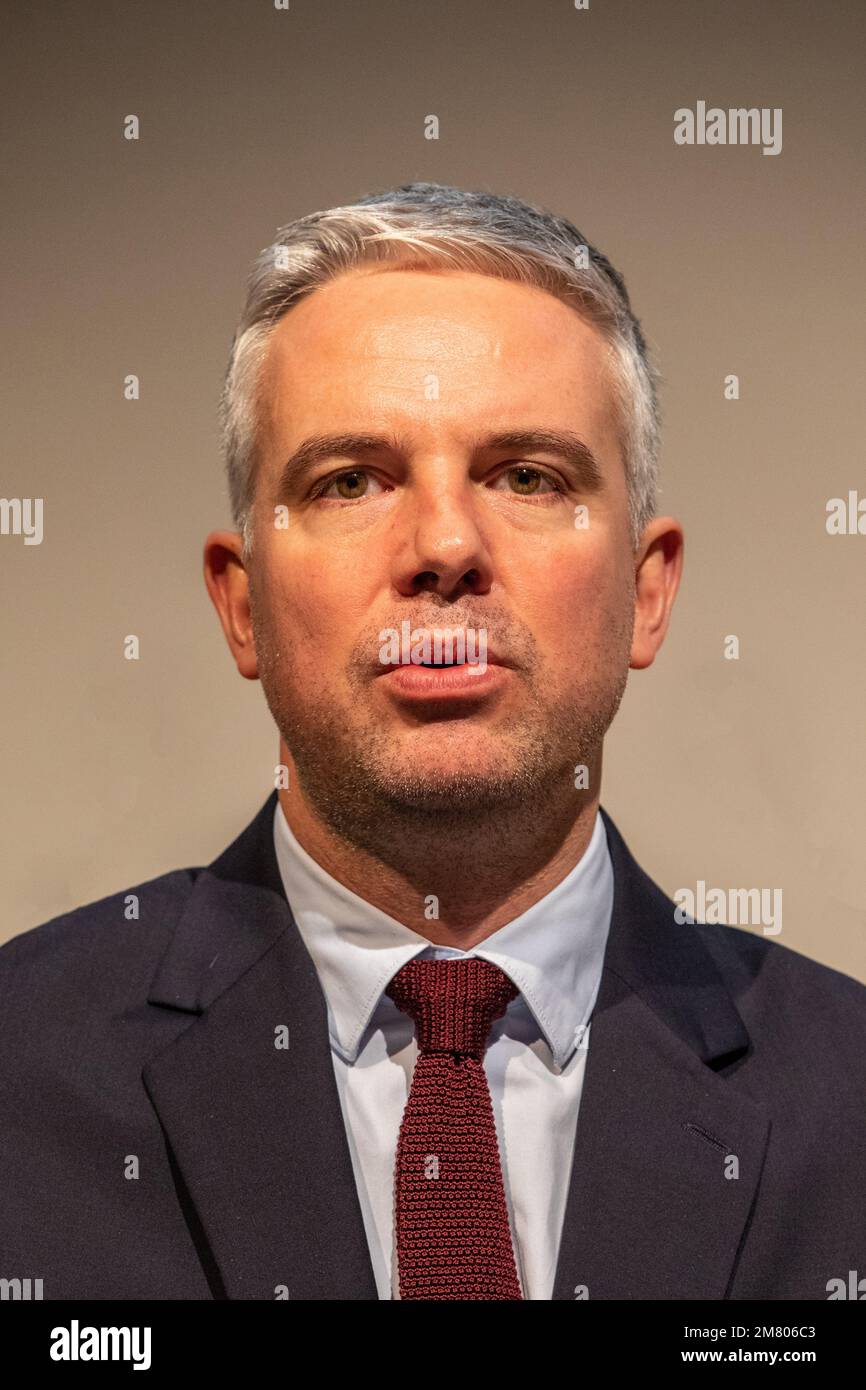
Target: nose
{"x": 445, "y": 550}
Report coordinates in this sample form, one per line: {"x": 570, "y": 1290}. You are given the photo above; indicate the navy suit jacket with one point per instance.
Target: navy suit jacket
{"x": 156, "y": 1144}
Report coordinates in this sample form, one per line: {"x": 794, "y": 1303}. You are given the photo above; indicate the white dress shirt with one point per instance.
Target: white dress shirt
{"x": 535, "y": 1056}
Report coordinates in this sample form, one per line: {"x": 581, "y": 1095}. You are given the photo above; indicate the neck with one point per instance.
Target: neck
{"x": 458, "y": 880}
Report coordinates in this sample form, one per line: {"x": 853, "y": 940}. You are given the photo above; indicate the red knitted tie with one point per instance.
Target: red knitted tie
{"x": 453, "y": 1237}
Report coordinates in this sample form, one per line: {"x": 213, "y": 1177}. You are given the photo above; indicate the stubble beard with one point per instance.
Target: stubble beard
{"x": 387, "y": 802}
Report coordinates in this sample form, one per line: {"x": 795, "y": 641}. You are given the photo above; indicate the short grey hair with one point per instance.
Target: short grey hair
{"x": 435, "y": 226}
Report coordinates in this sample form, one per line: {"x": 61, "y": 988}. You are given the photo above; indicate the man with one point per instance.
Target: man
{"x": 426, "y": 1030}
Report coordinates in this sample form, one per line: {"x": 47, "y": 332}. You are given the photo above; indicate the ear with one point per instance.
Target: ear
{"x": 228, "y": 585}
{"x": 658, "y": 567}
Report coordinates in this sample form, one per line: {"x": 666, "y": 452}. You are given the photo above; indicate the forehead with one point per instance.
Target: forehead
{"x": 435, "y": 346}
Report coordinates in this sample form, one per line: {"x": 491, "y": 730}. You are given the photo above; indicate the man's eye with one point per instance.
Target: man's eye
{"x": 350, "y": 486}
{"x": 529, "y": 481}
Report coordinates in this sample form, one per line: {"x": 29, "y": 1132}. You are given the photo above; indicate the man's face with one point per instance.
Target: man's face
{"x": 441, "y": 529}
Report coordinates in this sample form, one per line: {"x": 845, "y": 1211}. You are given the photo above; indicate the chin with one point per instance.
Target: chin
{"x": 446, "y": 784}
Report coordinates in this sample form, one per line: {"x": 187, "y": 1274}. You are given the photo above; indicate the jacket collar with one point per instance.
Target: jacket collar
{"x": 667, "y": 965}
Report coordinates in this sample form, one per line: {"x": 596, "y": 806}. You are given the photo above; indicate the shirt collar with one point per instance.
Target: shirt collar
{"x": 553, "y": 952}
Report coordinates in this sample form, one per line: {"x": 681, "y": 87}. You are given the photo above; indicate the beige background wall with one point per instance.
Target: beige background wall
{"x": 126, "y": 257}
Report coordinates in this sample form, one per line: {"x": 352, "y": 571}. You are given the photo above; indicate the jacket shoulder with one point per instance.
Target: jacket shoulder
{"x": 745, "y": 956}
{"x": 129, "y": 923}
{"x": 772, "y": 982}
{"x": 781, "y": 990}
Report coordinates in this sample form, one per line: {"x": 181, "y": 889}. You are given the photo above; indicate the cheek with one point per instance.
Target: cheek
{"x": 304, "y": 599}
{"x": 581, "y": 609}
{"x": 312, "y": 616}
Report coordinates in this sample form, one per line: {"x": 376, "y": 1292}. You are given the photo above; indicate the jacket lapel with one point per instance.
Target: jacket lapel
{"x": 255, "y": 1132}
{"x": 650, "y": 1212}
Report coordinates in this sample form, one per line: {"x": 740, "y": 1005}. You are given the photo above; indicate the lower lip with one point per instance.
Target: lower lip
{"x": 446, "y": 683}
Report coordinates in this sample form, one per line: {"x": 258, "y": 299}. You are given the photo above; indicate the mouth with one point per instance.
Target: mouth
{"x": 380, "y": 668}
{"x": 443, "y": 665}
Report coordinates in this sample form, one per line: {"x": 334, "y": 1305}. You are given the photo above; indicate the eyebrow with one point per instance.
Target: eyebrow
{"x": 567, "y": 446}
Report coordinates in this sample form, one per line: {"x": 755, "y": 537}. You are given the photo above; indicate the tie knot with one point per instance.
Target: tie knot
{"x": 452, "y": 1002}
